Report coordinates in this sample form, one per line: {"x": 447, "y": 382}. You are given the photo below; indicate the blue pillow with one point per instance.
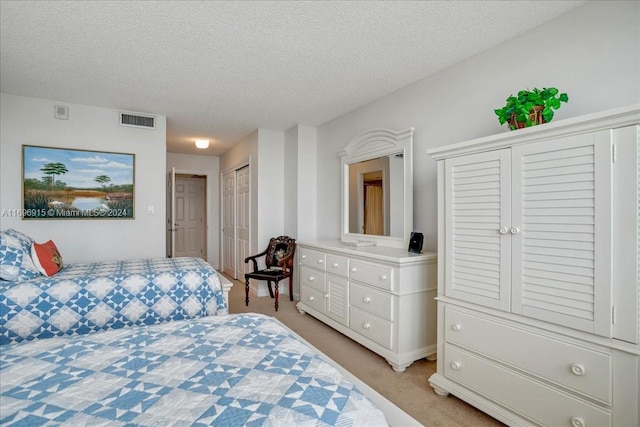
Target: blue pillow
{"x": 16, "y": 264}
{"x": 23, "y": 237}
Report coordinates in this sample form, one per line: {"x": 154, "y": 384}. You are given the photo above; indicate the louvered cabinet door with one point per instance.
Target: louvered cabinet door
{"x": 561, "y": 231}
{"x": 477, "y": 220}
{"x": 337, "y": 299}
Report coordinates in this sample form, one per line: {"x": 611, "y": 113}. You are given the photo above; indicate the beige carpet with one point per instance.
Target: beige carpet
{"x": 409, "y": 390}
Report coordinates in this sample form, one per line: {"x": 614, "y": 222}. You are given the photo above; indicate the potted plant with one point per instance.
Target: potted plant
{"x": 530, "y": 107}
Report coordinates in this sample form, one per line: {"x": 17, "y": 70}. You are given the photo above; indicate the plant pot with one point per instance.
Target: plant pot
{"x": 535, "y": 115}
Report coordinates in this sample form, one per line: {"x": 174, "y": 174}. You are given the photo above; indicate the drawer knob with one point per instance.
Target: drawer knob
{"x": 353, "y": 269}
{"x": 312, "y": 298}
{"x": 577, "y": 369}
{"x": 578, "y": 422}
{"x": 320, "y": 261}
{"x": 326, "y": 295}
{"x": 311, "y": 278}
{"x": 366, "y": 299}
{"x": 383, "y": 277}
{"x": 503, "y": 230}
{"x": 336, "y": 265}
{"x": 515, "y": 230}
{"x": 456, "y": 327}
{"x": 455, "y": 365}
{"x": 304, "y": 256}
{"x": 366, "y": 325}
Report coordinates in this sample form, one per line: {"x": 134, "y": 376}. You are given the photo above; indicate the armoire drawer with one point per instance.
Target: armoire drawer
{"x": 579, "y": 368}
{"x": 545, "y": 405}
{"x": 313, "y": 298}
{"x": 313, "y": 278}
{"x": 337, "y": 265}
{"x": 312, "y": 258}
{"x": 373, "y": 274}
{"x": 369, "y": 299}
{"x": 371, "y": 326}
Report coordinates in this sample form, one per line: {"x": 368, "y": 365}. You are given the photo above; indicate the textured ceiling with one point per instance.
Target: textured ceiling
{"x": 220, "y": 70}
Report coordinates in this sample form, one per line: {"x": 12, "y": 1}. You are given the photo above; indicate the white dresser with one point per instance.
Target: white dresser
{"x": 381, "y": 297}
{"x": 538, "y": 294}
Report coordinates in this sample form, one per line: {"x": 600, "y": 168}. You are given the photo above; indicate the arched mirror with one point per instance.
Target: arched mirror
{"x": 377, "y": 188}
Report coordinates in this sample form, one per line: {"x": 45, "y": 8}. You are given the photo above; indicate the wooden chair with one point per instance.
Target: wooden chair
{"x": 279, "y": 266}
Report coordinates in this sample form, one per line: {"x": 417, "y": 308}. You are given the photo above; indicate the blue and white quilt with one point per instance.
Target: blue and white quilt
{"x": 84, "y": 298}
{"x": 233, "y": 370}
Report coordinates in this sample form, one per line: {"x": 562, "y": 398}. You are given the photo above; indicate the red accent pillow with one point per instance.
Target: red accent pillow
{"x": 47, "y": 258}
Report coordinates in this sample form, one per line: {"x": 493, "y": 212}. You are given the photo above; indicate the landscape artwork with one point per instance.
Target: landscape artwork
{"x": 76, "y": 184}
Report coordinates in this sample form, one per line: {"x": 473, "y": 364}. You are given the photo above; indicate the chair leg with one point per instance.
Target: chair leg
{"x": 290, "y": 288}
{"x": 270, "y": 289}
{"x": 246, "y": 291}
{"x": 277, "y": 293}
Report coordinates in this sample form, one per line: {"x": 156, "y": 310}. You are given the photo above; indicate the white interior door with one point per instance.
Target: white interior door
{"x": 243, "y": 218}
{"x": 229, "y": 224}
{"x": 190, "y": 225}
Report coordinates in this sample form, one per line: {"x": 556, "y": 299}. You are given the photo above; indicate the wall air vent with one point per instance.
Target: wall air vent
{"x": 137, "y": 121}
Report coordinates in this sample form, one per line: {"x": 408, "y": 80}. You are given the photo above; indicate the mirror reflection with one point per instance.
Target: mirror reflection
{"x": 376, "y": 196}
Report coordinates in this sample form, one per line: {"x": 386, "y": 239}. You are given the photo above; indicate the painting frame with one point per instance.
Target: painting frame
{"x": 101, "y": 184}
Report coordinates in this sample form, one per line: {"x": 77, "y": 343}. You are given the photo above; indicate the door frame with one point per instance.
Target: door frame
{"x": 207, "y": 201}
{"x": 234, "y": 169}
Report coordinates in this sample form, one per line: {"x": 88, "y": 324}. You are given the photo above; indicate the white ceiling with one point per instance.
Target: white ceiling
{"x": 220, "y": 70}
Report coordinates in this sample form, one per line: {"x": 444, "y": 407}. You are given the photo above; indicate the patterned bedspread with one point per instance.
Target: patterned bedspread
{"x": 85, "y": 298}
{"x": 233, "y": 370}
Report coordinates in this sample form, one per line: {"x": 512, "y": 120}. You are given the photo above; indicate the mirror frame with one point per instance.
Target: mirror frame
{"x": 370, "y": 145}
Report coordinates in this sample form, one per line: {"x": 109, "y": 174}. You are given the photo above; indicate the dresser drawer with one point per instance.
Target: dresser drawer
{"x": 369, "y": 299}
{"x": 543, "y": 404}
{"x": 581, "y": 369}
{"x": 313, "y": 298}
{"x": 313, "y": 278}
{"x": 371, "y": 326}
{"x": 337, "y": 265}
{"x": 312, "y": 258}
{"x": 373, "y": 274}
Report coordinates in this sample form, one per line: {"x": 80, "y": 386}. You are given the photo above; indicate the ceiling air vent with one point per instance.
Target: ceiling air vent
{"x": 137, "y": 121}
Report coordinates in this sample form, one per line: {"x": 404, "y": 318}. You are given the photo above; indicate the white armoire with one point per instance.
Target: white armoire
{"x": 538, "y": 294}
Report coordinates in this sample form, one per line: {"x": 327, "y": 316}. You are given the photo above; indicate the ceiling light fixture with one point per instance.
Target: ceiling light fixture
{"x": 202, "y": 143}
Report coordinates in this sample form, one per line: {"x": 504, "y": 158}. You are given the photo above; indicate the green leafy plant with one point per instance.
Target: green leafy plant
{"x": 530, "y": 107}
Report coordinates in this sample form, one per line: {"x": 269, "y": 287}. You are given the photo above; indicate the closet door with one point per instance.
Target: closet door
{"x": 477, "y": 224}
{"x": 561, "y": 231}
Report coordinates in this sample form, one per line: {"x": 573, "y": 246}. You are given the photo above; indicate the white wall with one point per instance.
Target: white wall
{"x": 307, "y": 183}
{"x": 592, "y": 53}
{"x": 209, "y": 166}
{"x": 30, "y": 121}
{"x": 290, "y": 184}
{"x": 300, "y": 187}
{"x": 270, "y": 207}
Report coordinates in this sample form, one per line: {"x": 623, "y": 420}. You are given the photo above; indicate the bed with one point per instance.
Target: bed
{"x": 230, "y": 370}
{"x": 84, "y": 298}
{"x": 150, "y": 343}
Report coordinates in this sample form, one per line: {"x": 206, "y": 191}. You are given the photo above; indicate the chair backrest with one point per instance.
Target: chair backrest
{"x": 279, "y": 247}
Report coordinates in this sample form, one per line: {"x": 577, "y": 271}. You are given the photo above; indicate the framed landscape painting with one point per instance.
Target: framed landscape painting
{"x": 70, "y": 183}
